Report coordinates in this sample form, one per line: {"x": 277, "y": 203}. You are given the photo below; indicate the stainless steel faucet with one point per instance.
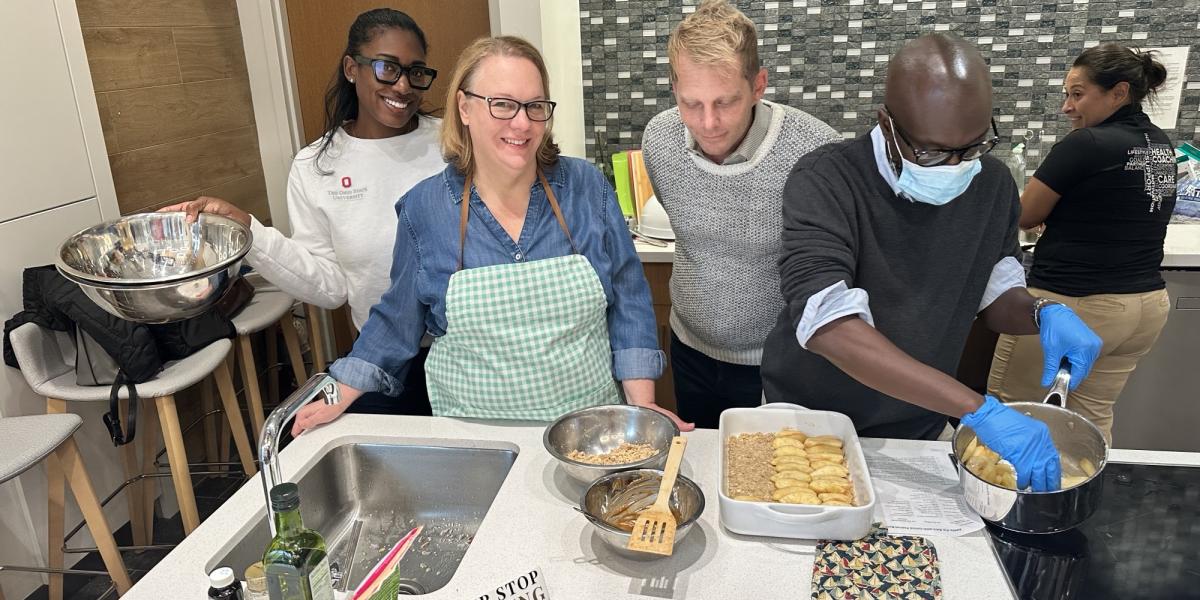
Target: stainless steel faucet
{"x": 268, "y": 450}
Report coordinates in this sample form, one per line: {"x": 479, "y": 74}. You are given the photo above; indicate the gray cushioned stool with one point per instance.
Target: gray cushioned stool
{"x": 26, "y": 441}
{"x": 47, "y": 358}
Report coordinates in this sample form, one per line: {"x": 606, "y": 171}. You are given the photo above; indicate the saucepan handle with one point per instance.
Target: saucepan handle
{"x": 1058, "y": 389}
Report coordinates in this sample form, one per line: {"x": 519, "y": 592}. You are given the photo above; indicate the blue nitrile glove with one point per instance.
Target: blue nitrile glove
{"x": 1021, "y": 440}
{"x": 1064, "y": 334}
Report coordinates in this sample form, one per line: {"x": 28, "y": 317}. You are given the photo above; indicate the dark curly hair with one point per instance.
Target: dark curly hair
{"x": 1110, "y": 64}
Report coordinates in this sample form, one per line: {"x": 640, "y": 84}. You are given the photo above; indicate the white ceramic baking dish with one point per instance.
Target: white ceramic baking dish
{"x": 798, "y": 520}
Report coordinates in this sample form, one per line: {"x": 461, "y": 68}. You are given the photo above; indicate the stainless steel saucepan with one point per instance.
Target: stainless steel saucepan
{"x": 1041, "y": 512}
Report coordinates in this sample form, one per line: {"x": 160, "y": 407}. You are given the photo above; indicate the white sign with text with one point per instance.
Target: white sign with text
{"x": 1163, "y": 108}
{"x": 527, "y": 586}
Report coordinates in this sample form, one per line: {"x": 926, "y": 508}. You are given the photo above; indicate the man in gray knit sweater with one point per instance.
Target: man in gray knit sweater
{"x": 718, "y": 163}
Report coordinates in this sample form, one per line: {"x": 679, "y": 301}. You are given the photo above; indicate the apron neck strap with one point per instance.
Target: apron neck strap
{"x": 465, "y": 213}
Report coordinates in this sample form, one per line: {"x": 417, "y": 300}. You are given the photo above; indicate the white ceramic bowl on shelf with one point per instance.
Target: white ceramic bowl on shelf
{"x": 653, "y": 221}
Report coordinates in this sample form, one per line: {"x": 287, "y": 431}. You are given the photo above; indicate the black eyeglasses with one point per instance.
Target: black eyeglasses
{"x": 388, "y": 72}
{"x": 939, "y": 156}
{"x": 507, "y": 108}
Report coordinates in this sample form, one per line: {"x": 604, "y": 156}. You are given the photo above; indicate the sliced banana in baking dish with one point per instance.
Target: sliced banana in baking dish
{"x": 810, "y": 470}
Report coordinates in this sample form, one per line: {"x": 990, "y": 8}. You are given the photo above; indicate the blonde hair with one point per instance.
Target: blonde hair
{"x": 716, "y": 34}
{"x": 456, "y": 138}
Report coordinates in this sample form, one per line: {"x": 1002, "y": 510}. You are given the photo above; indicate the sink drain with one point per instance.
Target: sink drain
{"x": 408, "y": 587}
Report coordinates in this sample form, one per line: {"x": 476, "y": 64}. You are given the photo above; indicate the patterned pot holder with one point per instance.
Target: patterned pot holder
{"x": 876, "y": 566}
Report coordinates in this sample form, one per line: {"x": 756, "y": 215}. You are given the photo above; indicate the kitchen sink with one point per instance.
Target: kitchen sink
{"x": 364, "y": 497}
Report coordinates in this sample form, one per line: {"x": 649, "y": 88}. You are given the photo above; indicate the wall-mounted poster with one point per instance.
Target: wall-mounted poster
{"x": 1163, "y": 110}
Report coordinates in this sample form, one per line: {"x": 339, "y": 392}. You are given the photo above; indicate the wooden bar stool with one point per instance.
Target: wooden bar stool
{"x": 26, "y": 441}
{"x": 316, "y": 339}
{"x": 268, "y": 307}
{"x": 40, "y": 352}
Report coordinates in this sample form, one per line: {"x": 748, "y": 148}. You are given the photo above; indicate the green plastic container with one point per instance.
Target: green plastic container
{"x": 620, "y": 162}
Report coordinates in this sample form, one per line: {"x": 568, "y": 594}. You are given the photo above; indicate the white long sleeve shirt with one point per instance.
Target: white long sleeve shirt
{"x": 344, "y": 223}
{"x": 838, "y": 300}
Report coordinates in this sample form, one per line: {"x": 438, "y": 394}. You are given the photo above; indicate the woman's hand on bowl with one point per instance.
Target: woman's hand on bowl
{"x": 211, "y": 205}
{"x": 640, "y": 392}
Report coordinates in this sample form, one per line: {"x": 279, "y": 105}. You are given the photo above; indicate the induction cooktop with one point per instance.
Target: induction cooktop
{"x": 1143, "y": 542}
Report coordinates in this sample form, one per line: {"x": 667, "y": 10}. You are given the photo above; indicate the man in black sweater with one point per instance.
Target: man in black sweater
{"x": 892, "y": 244}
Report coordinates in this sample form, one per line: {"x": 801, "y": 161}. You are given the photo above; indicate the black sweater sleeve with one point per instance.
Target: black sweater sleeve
{"x": 819, "y": 242}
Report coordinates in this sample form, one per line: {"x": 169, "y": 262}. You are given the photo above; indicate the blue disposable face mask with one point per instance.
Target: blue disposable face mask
{"x": 933, "y": 185}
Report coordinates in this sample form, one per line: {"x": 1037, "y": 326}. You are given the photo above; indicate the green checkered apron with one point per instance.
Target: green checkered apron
{"x": 523, "y": 341}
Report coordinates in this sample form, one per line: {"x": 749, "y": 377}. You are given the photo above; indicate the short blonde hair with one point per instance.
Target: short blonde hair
{"x": 716, "y": 34}
{"x": 456, "y": 139}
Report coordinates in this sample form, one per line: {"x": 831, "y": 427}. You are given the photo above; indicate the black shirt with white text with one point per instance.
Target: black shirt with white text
{"x": 1117, "y": 186}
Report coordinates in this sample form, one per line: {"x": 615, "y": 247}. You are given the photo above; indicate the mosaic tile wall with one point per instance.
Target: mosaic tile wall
{"x": 829, "y": 57}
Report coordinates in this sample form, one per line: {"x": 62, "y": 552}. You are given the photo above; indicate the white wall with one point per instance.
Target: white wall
{"x": 552, "y": 26}
{"x": 58, "y": 181}
{"x": 266, "y": 44}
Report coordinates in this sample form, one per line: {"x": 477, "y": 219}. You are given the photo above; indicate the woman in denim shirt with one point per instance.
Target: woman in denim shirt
{"x": 516, "y": 260}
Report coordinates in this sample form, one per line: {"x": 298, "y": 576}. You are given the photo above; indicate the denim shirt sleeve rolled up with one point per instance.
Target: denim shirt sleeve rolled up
{"x": 426, "y": 255}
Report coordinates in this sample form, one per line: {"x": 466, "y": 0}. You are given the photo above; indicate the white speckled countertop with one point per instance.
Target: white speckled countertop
{"x": 1182, "y": 246}
{"x": 654, "y": 254}
{"x": 531, "y": 525}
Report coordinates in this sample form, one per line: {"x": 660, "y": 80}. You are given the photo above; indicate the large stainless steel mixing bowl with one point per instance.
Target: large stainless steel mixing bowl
{"x": 600, "y": 429}
{"x": 156, "y": 267}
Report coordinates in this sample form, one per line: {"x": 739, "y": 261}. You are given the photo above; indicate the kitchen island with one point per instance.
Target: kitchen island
{"x": 531, "y": 525}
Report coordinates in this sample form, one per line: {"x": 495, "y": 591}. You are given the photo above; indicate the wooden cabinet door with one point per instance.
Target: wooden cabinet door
{"x": 318, "y": 29}
{"x": 659, "y": 277}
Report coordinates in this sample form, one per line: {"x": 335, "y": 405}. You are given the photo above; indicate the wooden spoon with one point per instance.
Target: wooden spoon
{"x": 654, "y": 530}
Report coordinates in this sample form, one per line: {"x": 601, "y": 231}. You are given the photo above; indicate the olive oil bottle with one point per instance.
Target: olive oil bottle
{"x": 296, "y": 562}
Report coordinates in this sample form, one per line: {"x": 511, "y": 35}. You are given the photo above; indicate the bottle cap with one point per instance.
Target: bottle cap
{"x": 221, "y": 577}
{"x": 285, "y": 496}
{"x": 256, "y": 578}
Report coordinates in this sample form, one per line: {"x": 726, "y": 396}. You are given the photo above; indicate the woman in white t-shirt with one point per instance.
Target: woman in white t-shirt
{"x": 343, "y": 187}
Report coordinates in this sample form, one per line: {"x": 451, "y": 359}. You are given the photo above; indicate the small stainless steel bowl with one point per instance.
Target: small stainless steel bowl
{"x": 156, "y": 267}
{"x": 641, "y": 485}
{"x": 600, "y": 429}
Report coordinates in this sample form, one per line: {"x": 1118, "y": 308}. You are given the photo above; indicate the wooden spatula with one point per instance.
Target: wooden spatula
{"x": 654, "y": 530}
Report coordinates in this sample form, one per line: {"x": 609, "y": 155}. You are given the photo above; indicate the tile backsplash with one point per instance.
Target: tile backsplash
{"x": 829, "y": 57}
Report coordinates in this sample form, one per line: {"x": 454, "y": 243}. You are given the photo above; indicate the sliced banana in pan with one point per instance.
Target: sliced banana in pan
{"x": 830, "y": 486}
{"x": 787, "y": 441}
{"x": 791, "y": 474}
{"x": 795, "y": 489}
{"x": 835, "y": 497}
{"x": 792, "y": 433}
{"x": 830, "y": 471}
{"x": 799, "y": 498}
{"x": 822, "y": 449}
{"x": 818, "y": 463}
{"x": 824, "y": 440}
{"x": 780, "y": 461}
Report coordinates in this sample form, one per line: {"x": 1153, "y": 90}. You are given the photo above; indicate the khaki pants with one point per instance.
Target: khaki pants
{"x": 1129, "y": 324}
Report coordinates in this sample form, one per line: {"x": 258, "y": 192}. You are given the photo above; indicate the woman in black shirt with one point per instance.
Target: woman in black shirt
{"x": 1105, "y": 194}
